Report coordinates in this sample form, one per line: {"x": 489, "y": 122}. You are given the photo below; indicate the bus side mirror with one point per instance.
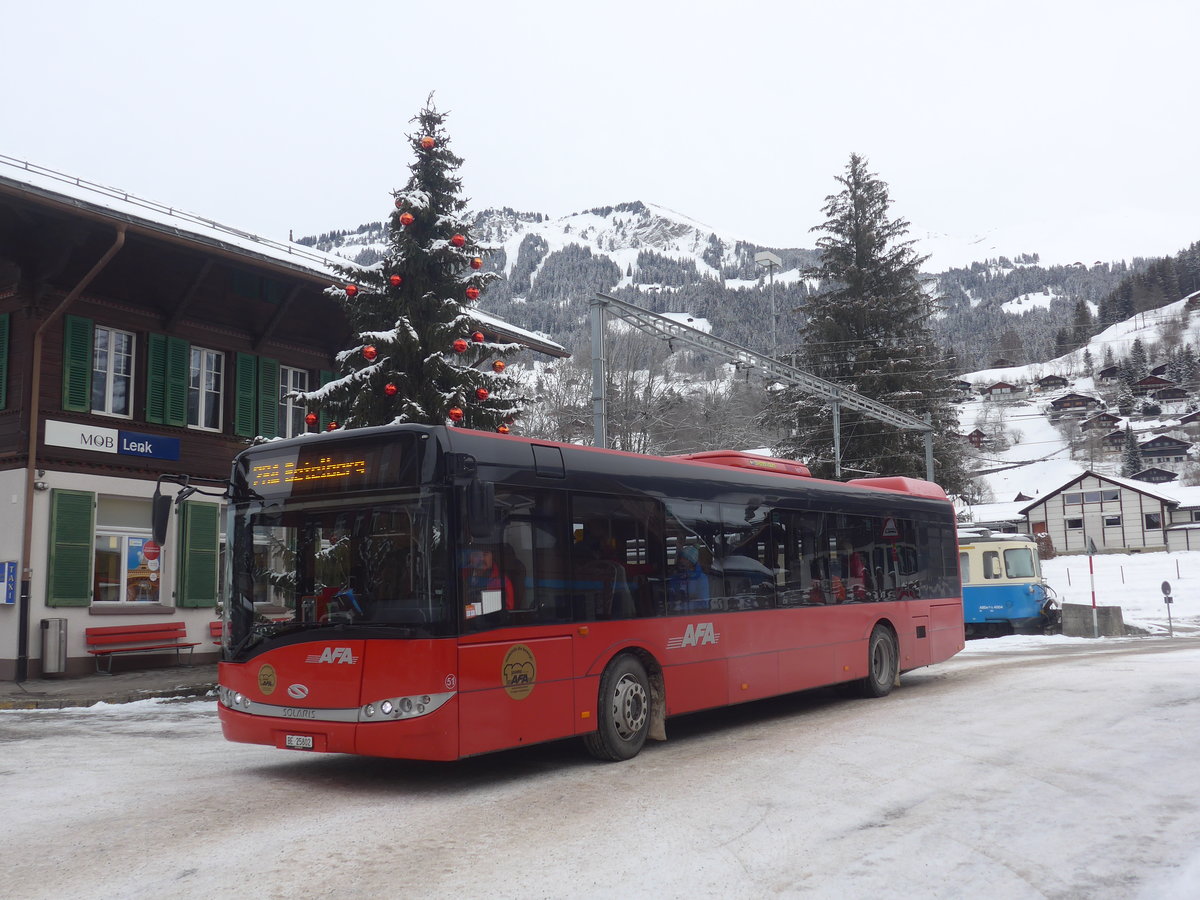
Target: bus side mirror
{"x": 481, "y": 508}
{"x": 161, "y": 516}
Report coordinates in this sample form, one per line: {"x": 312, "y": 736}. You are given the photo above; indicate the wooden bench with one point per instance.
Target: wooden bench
{"x": 105, "y": 643}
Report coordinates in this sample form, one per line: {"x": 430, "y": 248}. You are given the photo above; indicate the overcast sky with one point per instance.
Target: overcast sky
{"x": 1065, "y": 128}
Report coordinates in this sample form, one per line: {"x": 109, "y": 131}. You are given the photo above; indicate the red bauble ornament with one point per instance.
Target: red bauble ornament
{"x": 456, "y": 414}
{"x": 428, "y": 143}
{"x": 406, "y": 219}
{"x": 399, "y": 203}
{"x": 458, "y": 240}
{"x": 498, "y": 366}
{"x": 478, "y": 337}
{"x": 310, "y": 420}
{"x": 472, "y": 293}
{"x": 370, "y": 352}
{"x": 332, "y": 426}
{"x": 351, "y": 290}
{"x": 477, "y": 263}
{"x": 503, "y": 429}
{"x": 395, "y": 281}
{"x": 481, "y": 393}
{"x": 389, "y": 389}
{"x": 460, "y": 346}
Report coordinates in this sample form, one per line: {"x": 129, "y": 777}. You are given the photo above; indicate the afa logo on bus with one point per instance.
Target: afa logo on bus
{"x": 333, "y": 655}
{"x": 694, "y": 636}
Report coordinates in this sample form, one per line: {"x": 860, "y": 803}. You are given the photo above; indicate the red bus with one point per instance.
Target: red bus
{"x": 435, "y": 593}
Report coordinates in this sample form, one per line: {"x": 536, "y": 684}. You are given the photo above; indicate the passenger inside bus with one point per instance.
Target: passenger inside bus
{"x": 487, "y": 589}
{"x": 688, "y": 586}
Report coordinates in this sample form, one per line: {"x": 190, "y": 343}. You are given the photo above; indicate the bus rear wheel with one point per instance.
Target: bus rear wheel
{"x": 883, "y": 663}
{"x": 623, "y": 711}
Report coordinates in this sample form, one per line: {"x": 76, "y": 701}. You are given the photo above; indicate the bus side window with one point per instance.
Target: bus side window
{"x": 991, "y": 564}
{"x": 615, "y": 557}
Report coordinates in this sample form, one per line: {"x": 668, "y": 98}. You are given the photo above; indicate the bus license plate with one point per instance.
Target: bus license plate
{"x": 298, "y": 741}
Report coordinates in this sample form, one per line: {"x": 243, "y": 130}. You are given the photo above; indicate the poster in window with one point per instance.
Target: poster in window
{"x": 141, "y": 574}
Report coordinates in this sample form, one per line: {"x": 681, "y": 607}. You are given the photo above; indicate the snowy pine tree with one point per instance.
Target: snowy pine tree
{"x": 1131, "y": 456}
{"x": 418, "y": 355}
{"x": 868, "y": 329}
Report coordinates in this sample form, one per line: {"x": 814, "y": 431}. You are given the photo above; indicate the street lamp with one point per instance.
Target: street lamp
{"x": 768, "y": 260}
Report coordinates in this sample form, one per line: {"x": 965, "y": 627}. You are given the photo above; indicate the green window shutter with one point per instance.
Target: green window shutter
{"x": 77, "y": 364}
{"x": 268, "y": 397}
{"x": 245, "y": 396}
{"x": 199, "y": 538}
{"x": 72, "y": 541}
{"x": 178, "y": 368}
{"x": 4, "y": 361}
{"x": 156, "y": 379}
{"x": 325, "y": 377}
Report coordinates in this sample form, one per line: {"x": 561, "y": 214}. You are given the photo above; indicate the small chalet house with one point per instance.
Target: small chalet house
{"x": 977, "y": 438}
{"x": 1072, "y": 402}
{"x": 1051, "y": 383}
{"x": 1171, "y": 393}
{"x": 1100, "y": 421}
{"x": 1001, "y": 390}
{"x": 1155, "y": 475}
{"x": 1114, "y": 440}
{"x": 1152, "y": 383}
{"x": 1163, "y": 449}
{"x": 1117, "y": 514}
{"x": 1109, "y": 373}
{"x": 1001, "y": 362}
{"x": 137, "y": 341}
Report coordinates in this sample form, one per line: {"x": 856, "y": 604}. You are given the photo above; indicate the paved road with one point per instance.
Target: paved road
{"x": 1054, "y": 772}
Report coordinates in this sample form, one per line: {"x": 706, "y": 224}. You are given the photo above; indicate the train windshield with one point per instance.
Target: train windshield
{"x": 304, "y": 566}
{"x": 1019, "y": 563}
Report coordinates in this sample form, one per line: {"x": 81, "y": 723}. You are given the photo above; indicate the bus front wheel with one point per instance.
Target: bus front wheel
{"x": 883, "y": 663}
{"x": 623, "y": 711}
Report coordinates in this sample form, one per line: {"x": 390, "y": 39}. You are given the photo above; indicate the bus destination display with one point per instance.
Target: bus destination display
{"x": 315, "y": 474}
{"x": 312, "y": 471}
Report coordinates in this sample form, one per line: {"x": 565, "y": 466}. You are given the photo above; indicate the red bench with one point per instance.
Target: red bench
{"x": 105, "y": 643}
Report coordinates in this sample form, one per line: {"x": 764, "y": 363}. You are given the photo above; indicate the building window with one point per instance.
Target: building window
{"x": 1153, "y": 521}
{"x": 205, "y": 381}
{"x": 1073, "y": 499}
{"x": 1112, "y": 521}
{"x": 1074, "y": 523}
{"x": 112, "y": 371}
{"x": 124, "y": 572}
{"x": 291, "y": 411}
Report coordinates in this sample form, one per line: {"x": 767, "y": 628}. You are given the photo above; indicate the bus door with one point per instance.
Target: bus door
{"x": 516, "y": 660}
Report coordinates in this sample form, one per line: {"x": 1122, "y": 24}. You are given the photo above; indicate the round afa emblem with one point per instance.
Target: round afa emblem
{"x": 519, "y": 672}
{"x": 267, "y": 679}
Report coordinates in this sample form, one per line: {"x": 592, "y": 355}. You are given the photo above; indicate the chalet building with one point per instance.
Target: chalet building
{"x": 1001, "y": 362}
{"x": 1150, "y": 384}
{"x": 1155, "y": 475}
{"x": 1001, "y": 390}
{"x": 1117, "y": 514}
{"x": 1072, "y": 402}
{"x": 977, "y": 438}
{"x": 1051, "y": 383}
{"x": 1170, "y": 394}
{"x": 1100, "y": 421}
{"x": 1114, "y": 440}
{"x": 137, "y": 341}
{"x": 1192, "y": 418}
{"x": 1163, "y": 449}
{"x": 1160, "y": 371}
{"x": 1109, "y": 373}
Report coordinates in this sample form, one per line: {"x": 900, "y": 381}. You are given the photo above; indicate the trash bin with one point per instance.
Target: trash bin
{"x": 54, "y": 646}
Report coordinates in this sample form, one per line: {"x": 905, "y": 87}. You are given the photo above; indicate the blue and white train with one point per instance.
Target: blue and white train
{"x": 1002, "y": 586}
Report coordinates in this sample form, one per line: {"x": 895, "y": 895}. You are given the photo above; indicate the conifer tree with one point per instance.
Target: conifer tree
{"x": 1131, "y": 456}
{"x": 418, "y": 355}
{"x": 867, "y": 328}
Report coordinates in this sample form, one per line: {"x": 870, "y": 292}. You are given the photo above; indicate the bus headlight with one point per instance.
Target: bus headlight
{"x": 397, "y": 708}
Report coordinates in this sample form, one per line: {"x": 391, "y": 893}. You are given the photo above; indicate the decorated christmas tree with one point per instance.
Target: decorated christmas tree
{"x": 418, "y": 354}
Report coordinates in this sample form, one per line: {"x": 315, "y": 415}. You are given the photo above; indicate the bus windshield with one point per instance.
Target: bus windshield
{"x": 300, "y": 566}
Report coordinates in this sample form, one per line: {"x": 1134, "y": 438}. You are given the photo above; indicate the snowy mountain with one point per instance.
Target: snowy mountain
{"x": 670, "y": 262}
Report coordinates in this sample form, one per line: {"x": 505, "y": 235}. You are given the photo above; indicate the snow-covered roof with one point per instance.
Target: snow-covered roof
{"x": 28, "y": 179}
